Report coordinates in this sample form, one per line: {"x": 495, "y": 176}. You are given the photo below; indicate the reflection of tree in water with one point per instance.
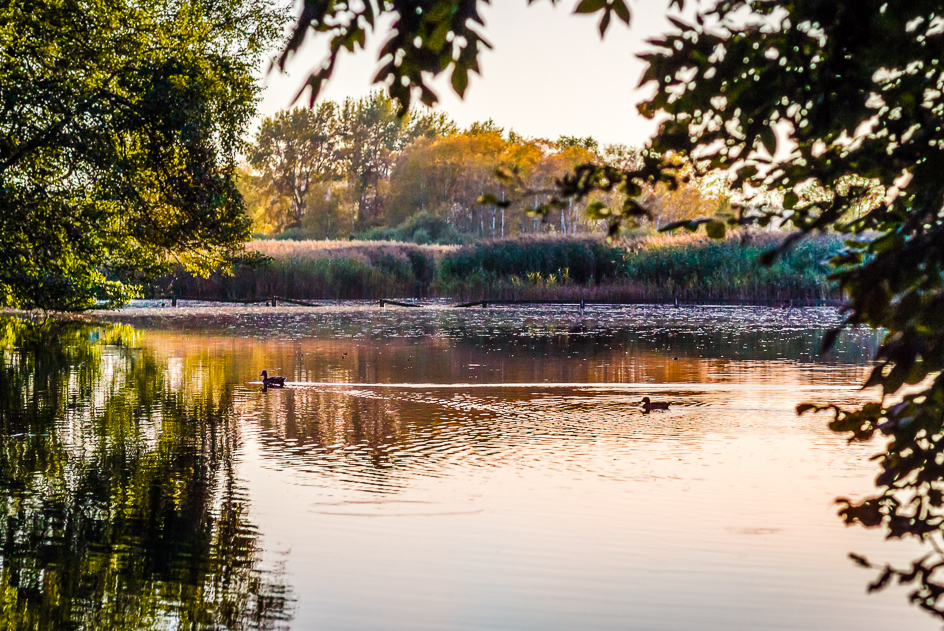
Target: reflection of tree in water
{"x": 341, "y": 427}
{"x": 120, "y": 507}
{"x": 378, "y": 436}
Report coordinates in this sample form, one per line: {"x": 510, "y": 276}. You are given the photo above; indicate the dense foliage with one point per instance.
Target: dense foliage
{"x": 120, "y": 126}
{"x": 423, "y": 227}
{"x": 731, "y": 269}
{"x": 324, "y": 170}
{"x": 373, "y": 274}
{"x": 646, "y": 270}
{"x": 295, "y": 151}
{"x": 583, "y": 261}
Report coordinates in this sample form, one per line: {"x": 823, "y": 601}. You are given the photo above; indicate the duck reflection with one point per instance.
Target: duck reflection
{"x": 119, "y": 506}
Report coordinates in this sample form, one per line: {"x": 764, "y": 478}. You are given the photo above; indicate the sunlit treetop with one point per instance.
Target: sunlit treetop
{"x": 830, "y": 90}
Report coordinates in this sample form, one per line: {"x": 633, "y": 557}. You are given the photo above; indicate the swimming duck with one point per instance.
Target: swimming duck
{"x": 648, "y": 406}
{"x": 272, "y": 382}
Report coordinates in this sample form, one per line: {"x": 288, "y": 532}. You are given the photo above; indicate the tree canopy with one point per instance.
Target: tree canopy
{"x": 357, "y": 169}
{"x": 120, "y": 127}
{"x": 295, "y": 150}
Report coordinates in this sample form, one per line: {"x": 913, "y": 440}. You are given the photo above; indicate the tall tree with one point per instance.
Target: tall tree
{"x": 294, "y": 150}
{"x": 119, "y": 127}
{"x": 446, "y": 176}
{"x": 373, "y": 134}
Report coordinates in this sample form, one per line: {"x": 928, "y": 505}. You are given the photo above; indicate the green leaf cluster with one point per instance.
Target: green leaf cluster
{"x": 120, "y": 126}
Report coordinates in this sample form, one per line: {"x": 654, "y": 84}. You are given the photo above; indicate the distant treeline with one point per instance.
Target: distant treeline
{"x": 357, "y": 170}
{"x": 656, "y": 269}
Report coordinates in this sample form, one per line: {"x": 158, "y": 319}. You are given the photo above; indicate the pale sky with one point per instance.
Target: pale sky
{"x": 548, "y": 74}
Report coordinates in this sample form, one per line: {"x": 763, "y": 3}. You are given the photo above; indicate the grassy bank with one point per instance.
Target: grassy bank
{"x": 656, "y": 269}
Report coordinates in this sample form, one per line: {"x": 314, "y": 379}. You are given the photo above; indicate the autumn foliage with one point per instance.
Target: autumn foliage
{"x": 357, "y": 169}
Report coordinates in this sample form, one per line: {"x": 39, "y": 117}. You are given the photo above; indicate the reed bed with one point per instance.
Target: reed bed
{"x": 730, "y": 269}
{"x": 318, "y": 273}
{"x": 365, "y": 251}
{"x": 640, "y": 269}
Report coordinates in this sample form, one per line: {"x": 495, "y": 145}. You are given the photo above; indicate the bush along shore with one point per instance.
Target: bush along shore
{"x": 642, "y": 269}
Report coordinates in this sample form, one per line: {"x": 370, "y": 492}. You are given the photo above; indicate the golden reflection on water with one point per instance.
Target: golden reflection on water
{"x": 512, "y": 506}
{"x": 445, "y": 361}
{"x": 360, "y": 405}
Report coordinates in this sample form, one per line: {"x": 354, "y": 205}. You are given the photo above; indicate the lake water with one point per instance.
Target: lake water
{"x": 436, "y": 469}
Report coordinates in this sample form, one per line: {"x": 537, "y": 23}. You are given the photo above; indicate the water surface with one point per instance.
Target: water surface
{"x": 437, "y": 469}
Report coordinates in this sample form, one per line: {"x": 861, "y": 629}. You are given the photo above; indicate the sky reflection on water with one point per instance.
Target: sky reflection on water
{"x": 490, "y": 469}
